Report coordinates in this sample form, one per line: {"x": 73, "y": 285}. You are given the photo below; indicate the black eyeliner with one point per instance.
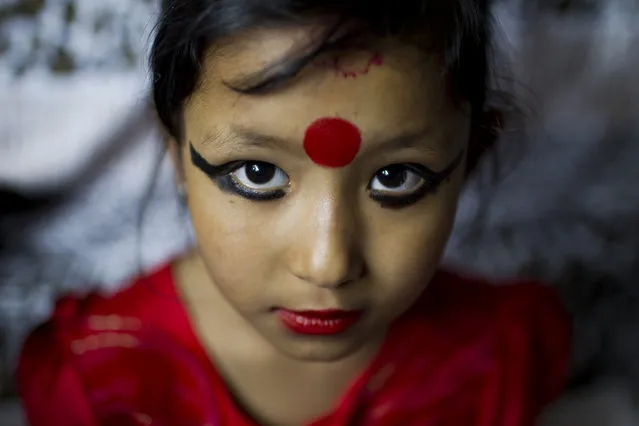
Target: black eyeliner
{"x": 227, "y": 184}
{"x": 209, "y": 169}
{"x": 394, "y": 202}
{"x": 221, "y": 176}
{"x": 437, "y": 177}
{"x": 432, "y": 181}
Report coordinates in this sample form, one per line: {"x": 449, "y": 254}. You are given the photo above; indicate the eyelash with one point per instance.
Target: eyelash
{"x": 227, "y": 184}
{"x": 430, "y": 184}
{"x": 428, "y": 187}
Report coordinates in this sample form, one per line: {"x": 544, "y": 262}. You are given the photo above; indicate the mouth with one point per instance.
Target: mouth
{"x": 318, "y": 323}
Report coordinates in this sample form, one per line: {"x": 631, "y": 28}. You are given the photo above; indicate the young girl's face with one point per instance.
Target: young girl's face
{"x": 293, "y": 227}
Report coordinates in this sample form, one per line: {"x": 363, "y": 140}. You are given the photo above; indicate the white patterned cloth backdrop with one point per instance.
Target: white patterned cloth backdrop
{"x": 86, "y": 190}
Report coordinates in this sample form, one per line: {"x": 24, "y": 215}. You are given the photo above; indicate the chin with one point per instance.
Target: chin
{"x": 318, "y": 349}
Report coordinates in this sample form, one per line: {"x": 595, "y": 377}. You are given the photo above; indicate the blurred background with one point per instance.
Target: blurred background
{"x": 87, "y": 196}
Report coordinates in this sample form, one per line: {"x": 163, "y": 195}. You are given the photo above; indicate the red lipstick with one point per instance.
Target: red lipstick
{"x": 318, "y": 323}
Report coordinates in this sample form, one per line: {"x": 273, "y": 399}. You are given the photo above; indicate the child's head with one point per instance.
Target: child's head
{"x": 323, "y": 144}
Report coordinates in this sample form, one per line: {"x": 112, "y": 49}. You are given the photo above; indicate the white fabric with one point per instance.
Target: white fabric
{"x": 89, "y": 135}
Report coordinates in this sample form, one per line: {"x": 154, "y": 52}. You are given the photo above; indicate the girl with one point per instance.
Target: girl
{"x": 321, "y": 147}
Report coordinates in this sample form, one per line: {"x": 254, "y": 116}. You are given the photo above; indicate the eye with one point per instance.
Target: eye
{"x": 253, "y": 180}
{"x": 396, "y": 180}
{"x": 260, "y": 176}
{"x": 401, "y": 185}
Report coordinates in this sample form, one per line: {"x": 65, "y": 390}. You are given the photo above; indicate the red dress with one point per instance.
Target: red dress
{"x": 466, "y": 354}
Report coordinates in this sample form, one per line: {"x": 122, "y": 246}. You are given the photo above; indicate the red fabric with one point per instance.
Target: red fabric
{"x": 467, "y": 354}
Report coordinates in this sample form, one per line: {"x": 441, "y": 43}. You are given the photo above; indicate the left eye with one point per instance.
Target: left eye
{"x": 260, "y": 176}
{"x": 396, "y": 180}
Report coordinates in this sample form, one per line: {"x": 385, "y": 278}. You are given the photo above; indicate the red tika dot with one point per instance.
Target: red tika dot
{"x": 332, "y": 142}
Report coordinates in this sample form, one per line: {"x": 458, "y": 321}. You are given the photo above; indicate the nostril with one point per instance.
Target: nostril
{"x": 334, "y": 274}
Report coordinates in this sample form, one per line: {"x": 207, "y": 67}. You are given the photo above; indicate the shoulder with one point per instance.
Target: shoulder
{"x": 469, "y": 299}
{"x": 467, "y": 340}
{"x": 148, "y": 301}
{"x": 95, "y": 344}
{"x": 76, "y": 316}
{"x": 518, "y": 315}
{"x": 139, "y": 297}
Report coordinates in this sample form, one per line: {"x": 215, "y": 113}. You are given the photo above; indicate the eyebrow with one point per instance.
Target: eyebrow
{"x": 421, "y": 139}
{"x": 242, "y": 138}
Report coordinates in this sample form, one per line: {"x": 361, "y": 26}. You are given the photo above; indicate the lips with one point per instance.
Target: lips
{"x": 318, "y": 323}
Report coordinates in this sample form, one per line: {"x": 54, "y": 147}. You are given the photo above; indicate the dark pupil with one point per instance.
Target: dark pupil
{"x": 260, "y": 173}
{"x": 392, "y": 176}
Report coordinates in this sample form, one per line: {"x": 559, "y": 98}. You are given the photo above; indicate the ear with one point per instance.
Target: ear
{"x": 175, "y": 152}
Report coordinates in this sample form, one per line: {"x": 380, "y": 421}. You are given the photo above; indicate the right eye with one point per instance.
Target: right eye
{"x": 256, "y": 180}
{"x": 253, "y": 180}
{"x": 260, "y": 176}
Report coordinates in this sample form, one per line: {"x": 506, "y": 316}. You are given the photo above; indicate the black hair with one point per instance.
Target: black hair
{"x": 459, "y": 30}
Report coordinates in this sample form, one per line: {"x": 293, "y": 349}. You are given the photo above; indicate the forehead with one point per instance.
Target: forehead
{"x": 385, "y": 87}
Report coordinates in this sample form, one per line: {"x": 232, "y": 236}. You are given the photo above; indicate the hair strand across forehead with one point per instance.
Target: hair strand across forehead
{"x": 458, "y": 29}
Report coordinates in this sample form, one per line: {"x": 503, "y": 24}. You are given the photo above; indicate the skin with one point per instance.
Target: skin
{"x": 326, "y": 244}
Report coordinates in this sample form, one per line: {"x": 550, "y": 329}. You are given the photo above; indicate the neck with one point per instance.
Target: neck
{"x": 247, "y": 361}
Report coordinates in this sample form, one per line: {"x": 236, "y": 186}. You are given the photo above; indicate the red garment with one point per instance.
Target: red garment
{"x": 466, "y": 354}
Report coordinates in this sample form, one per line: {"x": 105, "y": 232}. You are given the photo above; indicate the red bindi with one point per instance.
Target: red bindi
{"x": 332, "y": 142}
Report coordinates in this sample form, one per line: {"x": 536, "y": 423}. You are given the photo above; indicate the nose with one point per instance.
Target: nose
{"x": 325, "y": 253}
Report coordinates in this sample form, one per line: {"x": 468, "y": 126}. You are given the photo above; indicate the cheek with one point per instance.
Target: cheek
{"x": 412, "y": 251}
{"x": 405, "y": 257}
{"x": 234, "y": 244}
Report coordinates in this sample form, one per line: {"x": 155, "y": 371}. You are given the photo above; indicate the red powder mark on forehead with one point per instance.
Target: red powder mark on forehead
{"x": 349, "y": 67}
{"x": 332, "y": 142}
